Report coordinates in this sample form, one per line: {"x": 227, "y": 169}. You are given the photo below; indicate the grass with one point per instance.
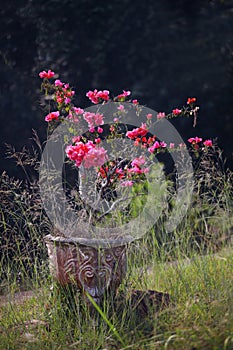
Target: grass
{"x": 200, "y": 316}
{"x": 194, "y": 265}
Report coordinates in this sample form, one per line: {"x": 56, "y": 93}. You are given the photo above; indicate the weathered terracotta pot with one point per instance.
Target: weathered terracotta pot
{"x": 92, "y": 270}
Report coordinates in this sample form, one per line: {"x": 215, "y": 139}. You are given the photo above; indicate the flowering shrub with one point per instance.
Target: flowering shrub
{"x": 87, "y": 149}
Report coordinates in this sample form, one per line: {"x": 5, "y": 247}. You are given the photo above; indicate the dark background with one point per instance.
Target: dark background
{"x": 163, "y": 51}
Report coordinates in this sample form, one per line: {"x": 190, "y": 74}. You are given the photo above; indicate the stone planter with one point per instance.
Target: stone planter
{"x": 93, "y": 270}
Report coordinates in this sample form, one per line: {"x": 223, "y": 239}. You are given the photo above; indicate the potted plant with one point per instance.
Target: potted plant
{"x": 101, "y": 184}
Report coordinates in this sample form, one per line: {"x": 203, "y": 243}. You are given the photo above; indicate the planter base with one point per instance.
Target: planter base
{"x": 93, "y": 270}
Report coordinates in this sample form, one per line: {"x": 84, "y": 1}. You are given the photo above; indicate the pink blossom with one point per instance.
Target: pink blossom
{"x": 69, "y": 93}
{"x": 76, "y": 139}
{"x": 172, "y": 145}
{"x": 176, "y": 111}
{"x": 95, "y": 157}
{"x": 208, "y": 143}
{"x": 121, "y": 108}
{"x": 161, "y": 115}
{"x": 149, "y": 116}
{"x": 191, "y": 100}
{"x": 127, "y": 183}
{"x": 194, "y": 140}
{"x": 120, "y": 173}
{"x": 163, "y": 144}
{"x": 123, "y": 95}
{"x": 138, "y": 170}
{"x": 138, "y": 161}
{"x": 59, "y": 99}
{"x": 78, "y": 110}
{"x": 135, "y": 102}
{"x": 52, "y": 116}
{"x": 93, "y": 119}
{"x": 89, "y": 145}
{"x": 72, "y": 115}
{"x": 92, "y": 129}
{"x": 104, "y": 95}
{"x": 76, "y": 153}
{"x": 58, "y": 83}
{"x": 67, "y": 100}
{"x": 47, "y": 75}
{"x": 155, "y": 146}
{"x": 100, "y": 130}
{"x": 97, "y": 140}
{"x": 95, "y": 96}
{"x": 92, "y": 95}
{"x": 116, "y": 120}
{"x": 142, "y": 131}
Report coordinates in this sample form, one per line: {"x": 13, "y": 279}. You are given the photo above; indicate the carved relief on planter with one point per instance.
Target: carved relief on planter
{"x": 91, "y": 269}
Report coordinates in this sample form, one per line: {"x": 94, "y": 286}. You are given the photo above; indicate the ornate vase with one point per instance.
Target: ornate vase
{"x": 93, "y": 270}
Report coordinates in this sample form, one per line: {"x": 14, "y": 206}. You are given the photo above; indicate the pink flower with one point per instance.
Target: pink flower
{"x": 135, "y": 102}
{"x": 95, "y": 157}
{"x": 67, "y": 100}
{"x": 149, "y": 116}
{"x": 92, "y": 95}
{"x": 138, "y": 170}
{"x": 138, "y": 161}
{"x": 98, "y": 140}
{"x": 116, "y": 120}
{"x": 100, "y": 130}
{"x": 191, "y": 100}
{"x": 127, "y": 183}
{"x": 172, "y": 145}
{"x": 76, "y": 153}
{"x": 161, "y": 115}
{"x": 176, "y": 111}
{"x": 104, "y": 95}
{"x": 95, "y": 96}
{"x": 58, "y": 83}
{"x": 194, "y": 140}
{"x": 47, "y": 75}
{"x": 142, "y": 131}
{"x": 208, "y": 143}
{"x": 155, "y": 146}
{"x": 78, "y": 110}
{"x": 52, "y": 116}
{"x": 163, "y": 144}
{"x": 76, "y": 139}
{"x": 120, "y": 172}
{"x": 59, "y": 99}
{"x": 93, "y": 119}
{"x": 89, "y": 145}
{"x": 121, "y": 108}
{"x": 123, "y": 95}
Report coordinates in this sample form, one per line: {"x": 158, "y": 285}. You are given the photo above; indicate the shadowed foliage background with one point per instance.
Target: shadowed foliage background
{"x": 163, "y": 51}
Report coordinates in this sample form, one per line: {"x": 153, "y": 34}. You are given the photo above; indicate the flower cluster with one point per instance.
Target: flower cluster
{"x": 64, "y": 93}
{"x": 94, "y": 119}
{"x": 98, "y": 96}
{"x": 87, "y": 151}
{"x": 196, "y": 142}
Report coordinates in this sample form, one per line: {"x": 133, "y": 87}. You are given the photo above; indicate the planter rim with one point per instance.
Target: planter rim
{"x": 94, "y": 243}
